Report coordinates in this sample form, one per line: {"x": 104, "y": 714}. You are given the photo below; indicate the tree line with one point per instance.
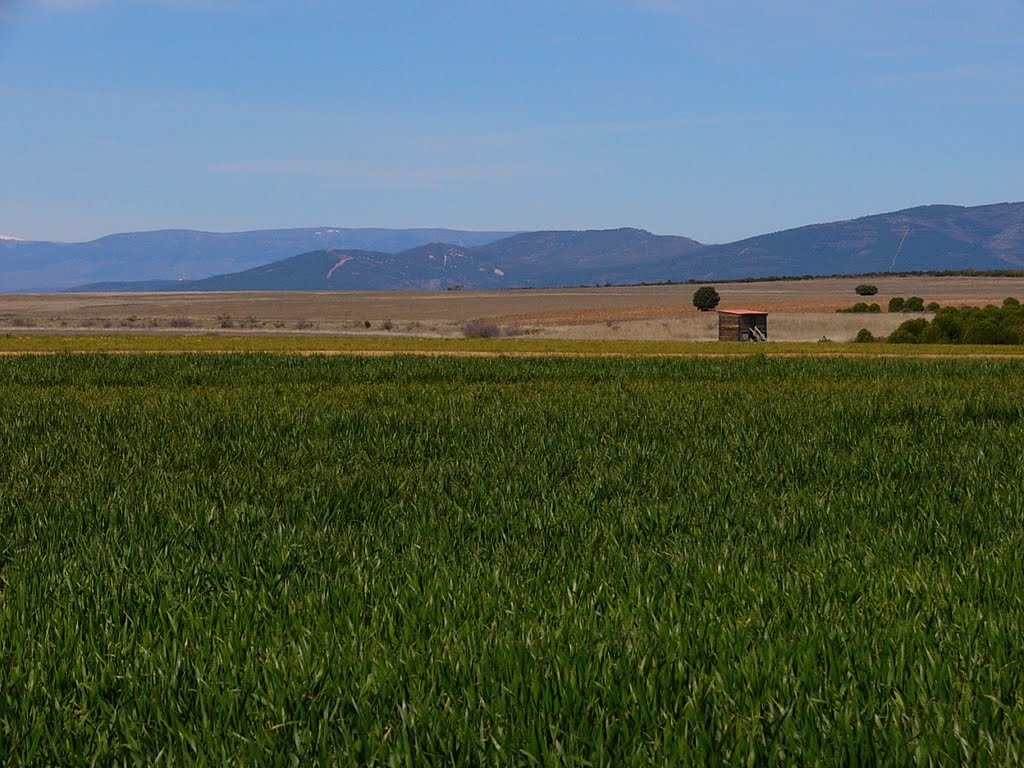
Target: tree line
{"x": 966, "y": 325}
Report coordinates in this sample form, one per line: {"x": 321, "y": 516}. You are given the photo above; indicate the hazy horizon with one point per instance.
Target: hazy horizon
{"x": 510, "y": 231}
{"x": 717, "y": 123}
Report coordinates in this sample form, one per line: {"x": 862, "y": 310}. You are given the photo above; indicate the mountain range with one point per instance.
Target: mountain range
{"x": 181, "y": 254}
{"x": 936, "y": 237}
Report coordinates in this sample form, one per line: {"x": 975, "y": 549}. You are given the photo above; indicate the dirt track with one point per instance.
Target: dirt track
{"x": 861, "y": 353}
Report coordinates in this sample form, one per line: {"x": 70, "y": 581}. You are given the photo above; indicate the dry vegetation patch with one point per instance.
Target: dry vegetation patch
{"x": 569, "y": 312}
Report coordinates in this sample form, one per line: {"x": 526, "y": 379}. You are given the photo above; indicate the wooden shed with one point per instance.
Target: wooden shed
{"x": 742, "y": 325}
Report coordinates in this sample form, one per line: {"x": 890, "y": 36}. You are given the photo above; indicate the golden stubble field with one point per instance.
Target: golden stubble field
{"x": 799, "y": 310}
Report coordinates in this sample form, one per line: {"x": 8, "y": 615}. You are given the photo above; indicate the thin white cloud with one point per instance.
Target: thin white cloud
{"x": 91, "y": 5}
{"x": 391, "y": 175}
{"x": 265, "y": 8}
{"x": 968, "y": 83}
{"x": 530, "y": 136}
{"x": 67, "y": 5}
{"x": 863, "y": 21}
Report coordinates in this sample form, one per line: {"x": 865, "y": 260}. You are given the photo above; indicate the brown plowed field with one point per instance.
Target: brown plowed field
{"x": 799, "y": 310}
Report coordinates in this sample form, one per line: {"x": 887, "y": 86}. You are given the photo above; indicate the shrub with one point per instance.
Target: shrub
{"x": 387, "y": 325}
{"x": 914, "y": 304}
{"x": 1009, "y": 301}
{"x": 970, "y": 325}
{"x": 910, "y": 332}
{"x": 863, "y": 336}
{"x": 304, "y": 324}
{"x": 865, "y": 289}
{"x": 180, "y": 322}
{"x": 366, "y": 323}
{"x": 861, "y": 306}
{"x": 706, "y": 298}
{"x": 933, "y": 306}
{"x": 896, "y": 304}
{"x": 985, "y": 331}
{"x": 481, "y": 329}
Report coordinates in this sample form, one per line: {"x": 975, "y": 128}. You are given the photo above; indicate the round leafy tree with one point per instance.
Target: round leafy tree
{"x": 706, "y": 298}
{"x": 864, "y": 289}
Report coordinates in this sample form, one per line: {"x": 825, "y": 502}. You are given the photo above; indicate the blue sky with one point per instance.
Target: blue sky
{"x": 716, "y": 120}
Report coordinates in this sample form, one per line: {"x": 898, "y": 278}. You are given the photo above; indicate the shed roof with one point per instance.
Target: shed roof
{"x": 742, "y": 312}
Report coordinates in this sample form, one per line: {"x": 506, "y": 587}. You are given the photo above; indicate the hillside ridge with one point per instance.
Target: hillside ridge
{"x": 923, "y": 238}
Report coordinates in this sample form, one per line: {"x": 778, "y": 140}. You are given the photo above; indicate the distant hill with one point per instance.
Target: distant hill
{"x": 434, "y": 266}
{"x": 934, "y": 237}
{"x": 169, "y": 255}
{"x": 576, "y": 258}
{"x": 525, "y": 260}
{"x": 937, "y": 237}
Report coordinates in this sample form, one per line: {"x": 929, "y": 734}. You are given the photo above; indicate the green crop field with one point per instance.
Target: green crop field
{"x": 46, "y": 343}
{"x": 275, "y": 559}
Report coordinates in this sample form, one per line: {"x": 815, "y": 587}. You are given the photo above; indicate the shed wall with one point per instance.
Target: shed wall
{"x": 733, "y": 327}
{"x": 728, "y": 327}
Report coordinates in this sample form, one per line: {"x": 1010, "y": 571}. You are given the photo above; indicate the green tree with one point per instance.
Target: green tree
{"x": 706, "y": 298}
{"x": 965, "y": 325}
{"x": 914, "y": 304}
{"x": 910, "y": 332}
{"x": 896, "y": 304}
{"x": 866, "y": 289}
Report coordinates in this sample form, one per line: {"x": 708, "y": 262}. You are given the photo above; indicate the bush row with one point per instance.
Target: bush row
{"x": 913, "y": 304}
{"x": 966, "y": 325}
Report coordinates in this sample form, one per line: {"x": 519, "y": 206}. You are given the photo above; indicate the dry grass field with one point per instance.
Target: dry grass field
{"x": 800, "y": 310}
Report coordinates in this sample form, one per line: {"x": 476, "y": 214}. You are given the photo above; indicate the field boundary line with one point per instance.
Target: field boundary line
{"x": 488, "y": 354}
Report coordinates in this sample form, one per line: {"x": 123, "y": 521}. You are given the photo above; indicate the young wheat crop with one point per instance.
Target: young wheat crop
{"x": 260, "y": 559}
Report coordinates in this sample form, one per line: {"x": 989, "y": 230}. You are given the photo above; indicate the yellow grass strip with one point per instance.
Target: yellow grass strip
{"x": 168, "y": 343}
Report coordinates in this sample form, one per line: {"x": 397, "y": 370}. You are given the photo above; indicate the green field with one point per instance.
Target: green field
{"x": 275, "y": 559}
{"x": 46, "y": 343}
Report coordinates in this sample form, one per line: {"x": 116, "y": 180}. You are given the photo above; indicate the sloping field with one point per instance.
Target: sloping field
{"x": 275, "y": 559}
